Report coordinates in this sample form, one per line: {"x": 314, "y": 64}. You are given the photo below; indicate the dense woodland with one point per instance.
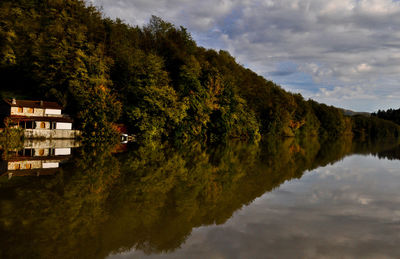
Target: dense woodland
{"x": 390, "y": 115}
{"x": 154, "y": 79}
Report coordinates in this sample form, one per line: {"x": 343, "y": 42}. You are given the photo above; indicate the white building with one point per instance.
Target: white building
{"x": 39, "y": 119}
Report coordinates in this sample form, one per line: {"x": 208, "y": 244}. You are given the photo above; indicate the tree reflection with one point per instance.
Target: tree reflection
{"x": 151, "y": 197}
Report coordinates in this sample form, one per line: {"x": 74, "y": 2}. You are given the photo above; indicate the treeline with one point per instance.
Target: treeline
{"x": 155, "y": 79}
{"x": 390, "y": 115}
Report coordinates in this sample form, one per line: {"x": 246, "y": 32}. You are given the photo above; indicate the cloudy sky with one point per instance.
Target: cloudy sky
{"x": 344, "y": 52}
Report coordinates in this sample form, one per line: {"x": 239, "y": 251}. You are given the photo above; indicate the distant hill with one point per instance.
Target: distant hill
{"x": 353, "y": 113}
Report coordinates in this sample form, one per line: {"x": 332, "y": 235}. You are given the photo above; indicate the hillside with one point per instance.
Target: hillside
{"x": 154, "y": 79}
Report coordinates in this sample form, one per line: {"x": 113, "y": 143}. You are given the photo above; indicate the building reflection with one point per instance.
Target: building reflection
{"x": 36, "y": 157}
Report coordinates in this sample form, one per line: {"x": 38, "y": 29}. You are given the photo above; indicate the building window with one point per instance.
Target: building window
{"x": 20, "y": 110}
{"x": 29, "y": 125}
{"x": 28, "y": 152}
{"x": 17, "y": 166}
{"x": 30, "y": 110}
{"x": 42, "y": 125}
{"x": 28, "y": 166}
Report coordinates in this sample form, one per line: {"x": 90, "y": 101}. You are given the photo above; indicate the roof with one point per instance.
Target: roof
{"x": 16, "y": 118}
{"x": 120, "y": 128}
{"x": 33, "y": 104}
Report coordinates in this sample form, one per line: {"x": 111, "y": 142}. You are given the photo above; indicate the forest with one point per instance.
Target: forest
{"x": 390, "y": 115}
{"x": 154, "y": 79}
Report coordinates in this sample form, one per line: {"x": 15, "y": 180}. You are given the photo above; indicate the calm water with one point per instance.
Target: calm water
{"x": 280, "y": 199}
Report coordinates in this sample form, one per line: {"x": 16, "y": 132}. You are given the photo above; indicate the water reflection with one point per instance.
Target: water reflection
{"x": 36, "y": 157}
{"x": 147, "y": 200}
{"x": 333, "y": 212}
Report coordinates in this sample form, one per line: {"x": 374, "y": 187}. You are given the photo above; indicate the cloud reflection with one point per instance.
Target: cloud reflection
{"x": 346, "y": 210}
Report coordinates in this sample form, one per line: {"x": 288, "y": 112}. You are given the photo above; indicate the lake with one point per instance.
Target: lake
{"x": 278, "y": 199}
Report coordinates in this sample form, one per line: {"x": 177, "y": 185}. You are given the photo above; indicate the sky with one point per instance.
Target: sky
{"x": 344, "y": 53}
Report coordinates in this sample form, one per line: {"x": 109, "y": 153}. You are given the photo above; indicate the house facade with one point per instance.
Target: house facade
{"x": 39, "y": 119}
